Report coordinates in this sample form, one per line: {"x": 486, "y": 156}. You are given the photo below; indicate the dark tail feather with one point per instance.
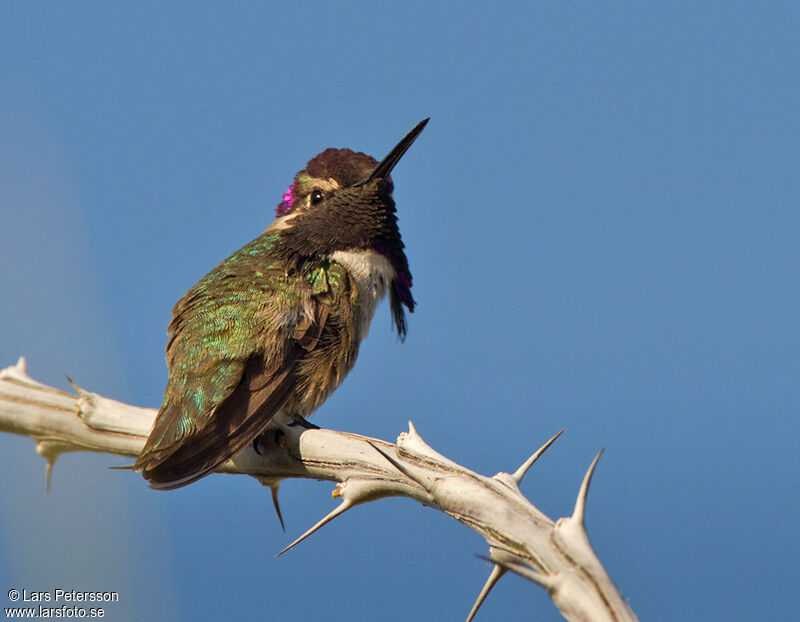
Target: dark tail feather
{"x": 235, "y": 423}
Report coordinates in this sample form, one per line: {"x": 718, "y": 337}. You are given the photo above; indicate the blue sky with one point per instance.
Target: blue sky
{"x": 602, "y": 223}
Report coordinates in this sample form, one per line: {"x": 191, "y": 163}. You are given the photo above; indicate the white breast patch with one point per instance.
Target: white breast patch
{"x": 372, "y": 273}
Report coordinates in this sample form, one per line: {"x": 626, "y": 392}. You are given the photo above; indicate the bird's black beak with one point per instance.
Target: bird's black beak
{"x": 387, "y": 164}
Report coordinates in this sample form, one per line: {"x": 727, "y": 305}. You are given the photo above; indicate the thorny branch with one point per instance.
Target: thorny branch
{"x": 554, "y": 554}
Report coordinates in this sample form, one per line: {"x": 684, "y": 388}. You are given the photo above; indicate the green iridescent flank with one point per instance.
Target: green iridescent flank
{"x": 199, "y": 398}
{"x": 317, "y": 276}
{"x": 239, "y": 308}
{"x": 338, "y": 279}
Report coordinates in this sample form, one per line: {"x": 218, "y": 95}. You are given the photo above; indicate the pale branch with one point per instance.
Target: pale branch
{"x": 554, "y": 554}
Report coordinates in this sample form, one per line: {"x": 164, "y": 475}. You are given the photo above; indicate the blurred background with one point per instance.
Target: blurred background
{"x": 602, "y": 223}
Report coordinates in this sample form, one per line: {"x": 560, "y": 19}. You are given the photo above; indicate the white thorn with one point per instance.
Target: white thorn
{"x": 497, "y": 572}
{"x": 81, "y": 392}
{"x": 392, "y": 461}
{"x": 48, "y": 471}
{"x": 523, "y": 469}
{"x": 16, "y": 372}
{"x": 545, "y": 580}
{"x": 343, "y": 507}
{"x": 579, "y": 512}
{"x": 274, "y": 488}
{"x": 50, "y": 451}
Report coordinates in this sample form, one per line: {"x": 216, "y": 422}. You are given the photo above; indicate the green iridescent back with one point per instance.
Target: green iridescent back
{"x": 249, "y": 306}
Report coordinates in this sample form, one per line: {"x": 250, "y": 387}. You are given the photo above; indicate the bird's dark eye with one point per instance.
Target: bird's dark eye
{"x": 316, "y": 196}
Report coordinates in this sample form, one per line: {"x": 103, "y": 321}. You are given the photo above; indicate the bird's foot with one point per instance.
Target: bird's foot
{"x": 269, "y": 437}
{"x": 303, "y": 423}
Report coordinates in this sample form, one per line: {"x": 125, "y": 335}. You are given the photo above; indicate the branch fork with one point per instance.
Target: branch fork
{"x": 556, "y": 555}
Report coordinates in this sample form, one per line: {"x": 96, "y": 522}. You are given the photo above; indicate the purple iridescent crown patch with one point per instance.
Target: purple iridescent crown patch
{"x": 287, "y": 202}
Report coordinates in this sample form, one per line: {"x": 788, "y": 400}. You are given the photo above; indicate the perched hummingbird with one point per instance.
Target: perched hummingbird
{"x": 274, "y": 329}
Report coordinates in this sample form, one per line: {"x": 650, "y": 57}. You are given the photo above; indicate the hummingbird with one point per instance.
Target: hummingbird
{"x": 272, "y": 331}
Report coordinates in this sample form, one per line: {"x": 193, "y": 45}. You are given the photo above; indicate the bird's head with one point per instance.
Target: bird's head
{"x": 342, "y": 201}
